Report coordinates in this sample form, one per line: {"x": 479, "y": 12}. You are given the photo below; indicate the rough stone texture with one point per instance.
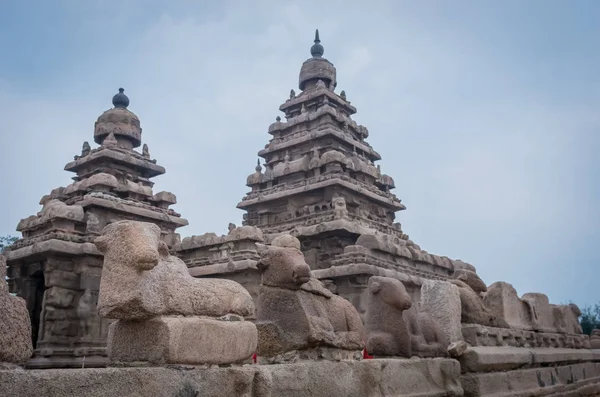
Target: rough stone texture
{"x": 490, "y": 359}
{"x": 56, "y": 268}
{"x": 442, "y": 301}
{"x": 393, "y": 328}
{"x": 373, "y": 378}
{"x": 595, "y": 339}
{"x": 457, "y": 349}
{"x": 15, "y": 326}
{"x": 473, "y": 308}
{"x": 387, "y": 332}
{"x": 532, "y": 311}
{"x": 181, "y": 340}
{"x": 426, "y": 336}
{"x": 296, "y": 312}
{"x": 479, "y": 335}
{"x": 574, "y": 380}
{"x": 141, "y": 280}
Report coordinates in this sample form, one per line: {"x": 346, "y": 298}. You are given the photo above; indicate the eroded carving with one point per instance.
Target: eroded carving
{"x": 295, "y": 311}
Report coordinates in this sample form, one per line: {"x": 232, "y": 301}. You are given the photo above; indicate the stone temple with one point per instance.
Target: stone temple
{"x": 318, "y": 293}
{"x": 55, "y": 265}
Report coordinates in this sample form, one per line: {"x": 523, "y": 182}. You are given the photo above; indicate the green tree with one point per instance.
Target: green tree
{"x": 5, "y": 241}
{"x": 590, "y": 318}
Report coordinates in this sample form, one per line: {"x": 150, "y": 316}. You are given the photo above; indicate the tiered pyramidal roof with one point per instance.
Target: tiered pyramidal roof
{"x": 318, "y": 167}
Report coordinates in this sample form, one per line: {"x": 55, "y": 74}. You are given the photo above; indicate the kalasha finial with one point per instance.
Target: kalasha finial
{"x": 317, "y": 49}
{"x": 258, "y": 168}
{"x": 120, "y": 100}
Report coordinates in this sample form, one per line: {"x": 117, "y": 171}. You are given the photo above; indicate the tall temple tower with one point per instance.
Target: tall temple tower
{"x": 320, "y": 183}
{"x": 56, "y": 267}
{"x": 320, "y": 180}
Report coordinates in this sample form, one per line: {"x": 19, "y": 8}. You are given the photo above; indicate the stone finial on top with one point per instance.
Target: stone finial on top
{"x": 258, "y": 168}
{"x": 120, "y": 100}
{"x": 316, "y": 67}
{"x": 121, "y": 122}
{"x": 317, "y": 49}
{"x": 292, "y": 94}
{"x": 343, "y": 95}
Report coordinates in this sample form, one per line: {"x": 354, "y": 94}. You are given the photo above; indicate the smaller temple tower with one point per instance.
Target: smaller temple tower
{"x": 55, "y": 265}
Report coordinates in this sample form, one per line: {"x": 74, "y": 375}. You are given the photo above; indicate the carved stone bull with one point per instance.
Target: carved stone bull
{"x": 141, "y": 280}
{"x": 295, "y": 311}
{"x": 394, "y": 329}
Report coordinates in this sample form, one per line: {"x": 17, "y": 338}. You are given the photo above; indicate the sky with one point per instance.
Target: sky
{"x": 486, "y": 113}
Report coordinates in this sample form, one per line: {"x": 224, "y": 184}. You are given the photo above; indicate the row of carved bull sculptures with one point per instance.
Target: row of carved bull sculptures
{"x": 165, "y": 316}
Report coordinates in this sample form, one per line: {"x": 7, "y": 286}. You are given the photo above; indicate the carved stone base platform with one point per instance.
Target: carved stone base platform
{"x": 565, "y": 381}
{"x": 520, "y": 372}
{"x": 480, "y": 335}
{"x": 181, "y": 340}
{"x": 373, "y": 378}
{"x": 81, "y": 357}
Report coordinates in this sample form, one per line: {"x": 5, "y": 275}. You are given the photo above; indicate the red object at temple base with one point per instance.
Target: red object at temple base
{"x": 366, "y": 355}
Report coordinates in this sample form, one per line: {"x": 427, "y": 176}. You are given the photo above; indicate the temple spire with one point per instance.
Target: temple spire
{"x": 317, "y": 49}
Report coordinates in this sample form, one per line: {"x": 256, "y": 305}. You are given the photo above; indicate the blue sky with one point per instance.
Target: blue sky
{"x": 486, "y": 113}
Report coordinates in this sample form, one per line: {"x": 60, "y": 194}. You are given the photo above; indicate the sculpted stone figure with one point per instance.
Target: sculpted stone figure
{"x": 473, "y": 309}
{"x": 141, "y": 280}
{"x": 339, "y": 207}
{"x": 532, "y": 311}
{"x": 295, "y": 311}
{"x": 386, "y": 330}
{"x": 394, "y": 330}
{"x": 165, "y": 315}
{"x": 15, "y": 327}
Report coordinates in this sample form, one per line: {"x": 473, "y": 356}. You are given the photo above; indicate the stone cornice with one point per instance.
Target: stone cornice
{"x": 334, "y": 180}
{"x": 104, "y": 154}
{"x": 312, "y": 135}
{"x": 121, "y": 206}
{"x": 44, "y": 248}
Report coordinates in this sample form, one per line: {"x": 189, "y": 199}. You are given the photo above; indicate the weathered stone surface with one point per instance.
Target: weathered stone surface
{"x": 473, "y": 308}
{"x": 393, "y": 328}
{"x": 457, "y": 349}
{"x": 472, "y": 279}
{"x": 427, "y": 338}
{"x": 442, "y": 301}
{"x": 488, "y": 359}
{"x": 52, "y": 209}
{"x": 479, "y": 335}
{"x": 15, "y": 326}
{"x": 560, "y": 381}
{"x": 532, "y": 311}
{"x": 296, "y": 312}
{"x": 373, "y": 378}
{"x": 387, "y": 332}
{"x": 141, "y": 280}
{"x": 181, "y": 340}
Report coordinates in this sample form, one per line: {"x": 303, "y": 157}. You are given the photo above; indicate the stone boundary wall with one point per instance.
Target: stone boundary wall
{"x": 373, "y": 378}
